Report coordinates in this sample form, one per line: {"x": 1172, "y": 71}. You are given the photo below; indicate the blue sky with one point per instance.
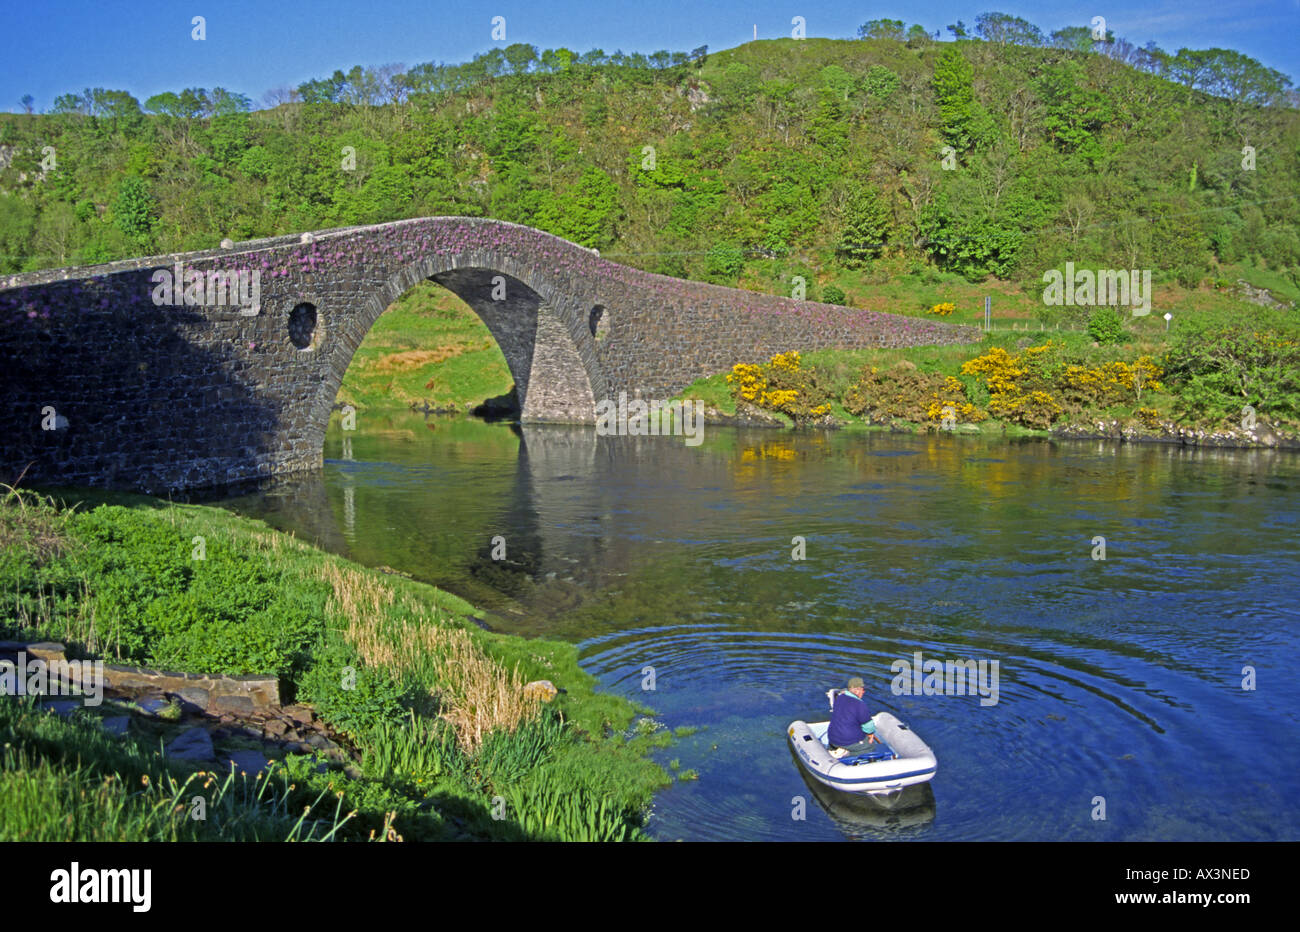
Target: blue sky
{"x": 50, "y": 48}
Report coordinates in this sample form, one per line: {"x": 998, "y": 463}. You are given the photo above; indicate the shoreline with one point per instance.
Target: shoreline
{"x": 439, "y": 730}
{"x": 1116, "y": 431}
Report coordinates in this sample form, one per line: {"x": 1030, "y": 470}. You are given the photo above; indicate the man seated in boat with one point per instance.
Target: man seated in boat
{"x": 850, "y": 719}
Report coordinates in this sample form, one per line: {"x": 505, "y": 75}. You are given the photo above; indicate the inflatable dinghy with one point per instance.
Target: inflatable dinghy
{"x": 899, "y": 759}
{"x": 867, "y": 815}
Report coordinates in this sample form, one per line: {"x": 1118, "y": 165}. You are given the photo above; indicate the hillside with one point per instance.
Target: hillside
{"x": 753, "y": 165}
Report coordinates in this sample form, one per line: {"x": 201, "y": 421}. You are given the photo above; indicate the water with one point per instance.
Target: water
{"x": 1118, "y": 679}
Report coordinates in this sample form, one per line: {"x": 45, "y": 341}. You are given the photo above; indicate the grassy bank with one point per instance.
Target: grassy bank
{"x": 1225, "y": 367}
{"x": 427, "y": 347}
{"x": 445, "y": 741}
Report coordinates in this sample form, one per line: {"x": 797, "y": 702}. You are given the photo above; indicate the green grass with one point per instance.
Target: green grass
{"x": 428, "y": 346}
{"x": 1282, "y": 285}
{"x": 109, "y": 575}
{"x": 552, "y": 811}
{"x": 66, "y": 780}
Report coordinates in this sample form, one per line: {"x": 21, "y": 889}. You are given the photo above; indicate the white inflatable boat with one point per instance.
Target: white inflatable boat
{"x": 899, "y": 758}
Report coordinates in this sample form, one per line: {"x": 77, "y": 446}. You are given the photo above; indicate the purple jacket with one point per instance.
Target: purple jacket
{"x": 848, "y": 715}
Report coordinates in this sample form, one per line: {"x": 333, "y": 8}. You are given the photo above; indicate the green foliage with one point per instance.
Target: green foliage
{"x": 1106, "y": 326}
{"x": 724, "y": 262}
{"x": 134, "y": 210}
{"x": 227, "y": 612}
{"x": 834, "y": 294}
{"x": 737, "y": 86}
{"x": 867, "y": 228}
{"x": 413, "y": 753}
{"x": 838, "y": 81}
{"x": 68, "y": 780}
{"x": 1228, "y": 74}
{"x": 554, "y": 812}
{"x": 17, "y": 224}
{"x": 507, "y": 757}
{"x": 1220, "y": 367}
{"x": 585, "y": 213}
{"x": 882, "y": 29}
{"x": 349, "y": 695}
{"x": 1073, "y": 38}
{"x": 1004, "y": 29}
{"x": 1073, "y": 114}
{"x": 752, "y": 144}
{"x": 131, "y": 570}
{"x": 879, "y": 83}
{"x": 965, "y": 123}
{"x": 968, "y": 245}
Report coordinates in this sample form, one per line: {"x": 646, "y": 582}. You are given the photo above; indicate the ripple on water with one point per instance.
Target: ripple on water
{"x": 1119, "y": 678}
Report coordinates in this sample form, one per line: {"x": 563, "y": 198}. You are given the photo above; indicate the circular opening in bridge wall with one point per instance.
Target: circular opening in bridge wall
{"x": 302, "y": 326}
{"x": 599, "y": 322}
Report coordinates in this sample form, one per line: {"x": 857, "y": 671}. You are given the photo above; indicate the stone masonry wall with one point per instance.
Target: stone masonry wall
{"x": 168, "y": 397}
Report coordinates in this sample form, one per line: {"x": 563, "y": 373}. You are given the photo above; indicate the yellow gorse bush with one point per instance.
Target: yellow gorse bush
{"x": 781, "y": 398}
{"x": 1113, "y": 382}
{"x": 1014, "y": 381}
{"x": 747, "y": 381}
{"x": 1033, "y": 409}
{"x": 951, "y": 397}
{"x": 943, "y": 309}
{"x": 999, "y": 368}
{"x": 780, "y": 385}
{"x": 1035, "y": 387}
{"x": 905, "y": 393}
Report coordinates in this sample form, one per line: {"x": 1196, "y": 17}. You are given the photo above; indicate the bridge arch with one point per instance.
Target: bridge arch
{"x": 155, "y": 393}
{"x": 550, "y": 352}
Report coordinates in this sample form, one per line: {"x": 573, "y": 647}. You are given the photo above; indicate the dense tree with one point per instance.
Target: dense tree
{"x": 134, "y": 210}
{"x": 918, "y": 35}
{"x": 838, "y": 81}
{"x": 724, "y": 262}
{"x": 1228, "y": 74}
{"x": 1073, "y": 39}
{"x": 964, "y": 122}
{"x": 879, "y": 83}
{"x": 1005, "y": 29}
{"x": 17, "y": 223}
{"x": 520, "y": 57}
{"x": 1073, "y": 113}
{"x": 867, "y": 228}
{"x": 882, "y": 29}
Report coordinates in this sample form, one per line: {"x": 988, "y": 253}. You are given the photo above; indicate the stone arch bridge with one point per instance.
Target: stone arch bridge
{"x": 112, "y": 375}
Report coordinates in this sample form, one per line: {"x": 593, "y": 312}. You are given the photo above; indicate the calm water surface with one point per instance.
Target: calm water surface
{"x": 1119, "y": 678}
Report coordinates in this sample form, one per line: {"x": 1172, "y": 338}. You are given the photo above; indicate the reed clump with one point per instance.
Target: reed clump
{"x": 473, "y": 692}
